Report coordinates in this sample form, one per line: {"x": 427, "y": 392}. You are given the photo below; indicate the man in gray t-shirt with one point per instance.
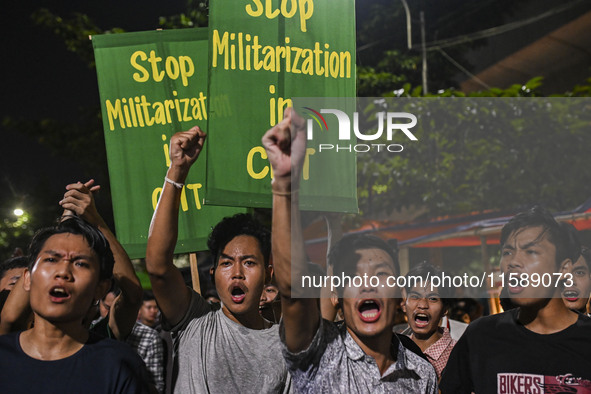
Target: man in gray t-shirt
{"x": 225, "y": 350}
{"x": 363, "y": 355}
{"x": 228, "y": 350}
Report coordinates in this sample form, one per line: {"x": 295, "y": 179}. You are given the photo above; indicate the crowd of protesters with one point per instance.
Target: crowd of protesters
{"x": 75, "y": 318}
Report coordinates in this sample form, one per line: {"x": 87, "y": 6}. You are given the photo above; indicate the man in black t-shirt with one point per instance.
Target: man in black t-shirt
{"x": 70, "y": 269}
{"x": 540, "y": 346}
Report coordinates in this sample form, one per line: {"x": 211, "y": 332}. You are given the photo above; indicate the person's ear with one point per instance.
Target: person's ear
{"x": 445, "y": 309}
{"x": 269, "y": 272}
{"x": 403, "y": 299}
{"x": 335, "y": 301}
{"x": 212, "y": 274}
{"x": 27, "y": 279}
{"x": 102, "y": 289}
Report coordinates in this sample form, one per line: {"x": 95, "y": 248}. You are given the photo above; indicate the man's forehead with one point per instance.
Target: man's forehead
{"x": 527, "y": 235}
{"x": 243, "y": 244}
{"x": 374, "y": 257}
{"x": 424, "y": 288}
{"x": 581, "y": 263}
{"x": 66, "y": 242}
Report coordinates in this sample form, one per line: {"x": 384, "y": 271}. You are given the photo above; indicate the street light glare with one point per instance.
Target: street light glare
{"x": 18, "y": 212}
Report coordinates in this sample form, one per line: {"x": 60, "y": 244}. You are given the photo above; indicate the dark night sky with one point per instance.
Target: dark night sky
{"x": 41, "y": 79}
{"x": 40, "y": 67}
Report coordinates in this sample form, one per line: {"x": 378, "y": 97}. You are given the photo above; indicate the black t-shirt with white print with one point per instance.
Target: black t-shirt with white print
{"x": 497, "y": 354}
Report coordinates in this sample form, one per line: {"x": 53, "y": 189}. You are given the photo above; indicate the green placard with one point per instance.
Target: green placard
{"x": 263, "y": 53}
{"x": 153, "y": 84}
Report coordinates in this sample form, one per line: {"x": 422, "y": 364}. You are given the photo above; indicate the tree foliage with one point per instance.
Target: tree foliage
{"x": 74, "y": 31}
{"x": 196, "y": 15}
{"x": 14, "y": 233}
{"x": 499, "y": 153}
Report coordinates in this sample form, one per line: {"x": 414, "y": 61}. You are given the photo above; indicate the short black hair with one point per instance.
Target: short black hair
{"x": 572, "y": 240}
{"x": 148, "y": 295}
{"x": 425, "y": 270}
{"x": 13, "y": 262}
{"x": 586, "y": 253}
{"x": 233, "y": 226}
{"x": 537, "y": 216}
{"x": 115, "y": 289}
{"x": 340, "y": 255}
{"x": 75, "y": 225}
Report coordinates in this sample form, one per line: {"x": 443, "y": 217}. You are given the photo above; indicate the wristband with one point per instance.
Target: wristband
{"x": 289, "y": 193}
{"x": 173, "y": 183}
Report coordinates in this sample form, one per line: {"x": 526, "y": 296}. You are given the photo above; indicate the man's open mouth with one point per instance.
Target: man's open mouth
{"x": 512, "y": 290}
{"x": 369, "y": 311}
{"x": 422, "y": 319}
{"x": 237, "y": 293}
{"x": 58, "y": 294}
{"x": 571, "y": 295}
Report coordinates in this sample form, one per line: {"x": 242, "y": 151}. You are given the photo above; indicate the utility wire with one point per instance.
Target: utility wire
{"x": 461, "y": 68}
{"x": 436, "y": 45}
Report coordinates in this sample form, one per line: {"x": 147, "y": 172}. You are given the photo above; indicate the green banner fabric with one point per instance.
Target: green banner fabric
{"x": 263, "y": 53}
{"x": 153, "y": 84}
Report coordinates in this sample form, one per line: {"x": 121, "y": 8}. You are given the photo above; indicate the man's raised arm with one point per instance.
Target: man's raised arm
{"x": 286, "y": 146}
{"x": 169, "y": 288}
{"x": 79, "y": 200}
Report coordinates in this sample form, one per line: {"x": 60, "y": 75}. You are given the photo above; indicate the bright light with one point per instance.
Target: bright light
{"x": 18, "y": 212}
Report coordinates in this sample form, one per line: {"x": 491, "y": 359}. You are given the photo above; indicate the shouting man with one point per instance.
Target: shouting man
{"x": 219, "y": 349}
{"x": 362, "y": 354}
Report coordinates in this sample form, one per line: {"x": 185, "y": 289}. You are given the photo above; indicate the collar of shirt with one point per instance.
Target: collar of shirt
{"x": 436, "y": 350}
{"x": 354, "y": 352}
